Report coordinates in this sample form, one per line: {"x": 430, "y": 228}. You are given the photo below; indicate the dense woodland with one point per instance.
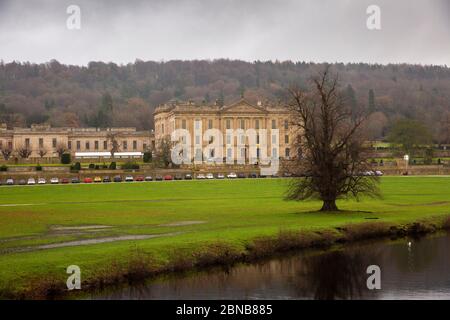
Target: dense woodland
{"x": 107, "y": 94}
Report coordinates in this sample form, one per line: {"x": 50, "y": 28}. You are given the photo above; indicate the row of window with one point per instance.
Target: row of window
{"x": 228, "y": 124}
{"x": 243, "y": 153}
{"x": 87, "y": 145}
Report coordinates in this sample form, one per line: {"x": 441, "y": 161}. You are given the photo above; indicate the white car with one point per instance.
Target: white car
{"x": 201, "y": 176}
{"x": 54, "y": 180}
{"x": 209, "y": 176}
{"x": 41, "y": 181}
{"x": 378, "y": 173}
{"x": 220, "y": 176}
{"x": 129, "y": 179}
{"x": 231, "y": 175}
{"x": 31, "y": 181}
{"x": 9, "y": 182}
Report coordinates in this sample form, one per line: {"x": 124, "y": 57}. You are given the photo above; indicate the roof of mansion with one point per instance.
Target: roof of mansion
{"x": 240, "y": 106}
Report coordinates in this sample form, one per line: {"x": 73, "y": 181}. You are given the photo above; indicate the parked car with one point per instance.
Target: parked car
{"x": 117, "y": 179}
{"x": 253, "y": 175}
{"x": 168, "y": 177}
{"x": 75, "y": 180}
{"x": 178, "y": 177}
{"x": 129, "y": 179}
{"x": 201, "y": 176}
{"x": 54, "y": 180}
{"x": 31, "y": 181}
{"x": 148, "y": 178}
{"x": 231, "y": 175}
{"x": 139, "y": 178}
{"x": 241, "y": 175}
{"x": 209, "y": 176}
{"x": 22, "y": 182}
{"x": 97, "y": 179}
{"x": 378, "y": 173}
{"x": 106, "y": 179}
{"x": 10, "y": 181}
{"x": 41, "y": 181}
{"x": 158, "y": 178}
{"x": 287, "y": 174}
{"x": 188, "y": 176}
{"x": 220, "y": 176}
{"x": 87, "y": 180}
{"x": 65, "y": 180}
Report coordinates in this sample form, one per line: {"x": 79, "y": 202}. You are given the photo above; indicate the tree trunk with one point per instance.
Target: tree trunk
{"x": 329, "y": 205}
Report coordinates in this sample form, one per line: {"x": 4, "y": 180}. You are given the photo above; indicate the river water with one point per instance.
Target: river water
{"x": 410, "y": 269}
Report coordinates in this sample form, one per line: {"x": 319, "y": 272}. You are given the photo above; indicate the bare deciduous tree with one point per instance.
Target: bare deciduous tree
{"x": 61, "y": 148}
{"x": 113, "y": 143}
{"x": 24, "y": 151}
{"x": 42, "y": 152}
{"x": 163, "y": 152}
{"x": 6, "y": 152}
{"x": 330, "y": 137}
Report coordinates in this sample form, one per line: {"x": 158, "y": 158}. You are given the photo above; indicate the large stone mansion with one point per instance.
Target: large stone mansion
{"x": 167, "y": 117}
{"x": 45, "y": 139}
{"x": 239, "y": 115}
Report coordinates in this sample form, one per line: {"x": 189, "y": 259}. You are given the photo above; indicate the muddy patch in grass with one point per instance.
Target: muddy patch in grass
{"x": 76, "y": 228}
{"x": 180, "y": 223}
{"x": 84, "y": 242}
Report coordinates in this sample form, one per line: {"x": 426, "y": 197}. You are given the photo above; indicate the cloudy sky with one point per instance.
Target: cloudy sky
{"x": 412, "y": 31}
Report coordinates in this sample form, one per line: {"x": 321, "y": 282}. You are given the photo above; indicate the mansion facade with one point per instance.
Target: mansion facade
{"x": 241, "y": 115}
{"x": 45, "y": 141}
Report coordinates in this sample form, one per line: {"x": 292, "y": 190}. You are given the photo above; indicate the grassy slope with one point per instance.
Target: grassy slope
{"x": 234, "y": 211}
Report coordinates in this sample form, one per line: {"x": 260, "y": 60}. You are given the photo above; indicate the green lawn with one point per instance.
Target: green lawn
{"x": 206, "y": 211}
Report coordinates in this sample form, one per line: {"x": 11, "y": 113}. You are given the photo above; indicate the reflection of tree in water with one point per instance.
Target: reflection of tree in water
{"x": 334, "y": 275}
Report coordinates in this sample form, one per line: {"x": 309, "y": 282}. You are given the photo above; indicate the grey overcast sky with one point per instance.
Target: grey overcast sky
{"x": 412, "y": 31}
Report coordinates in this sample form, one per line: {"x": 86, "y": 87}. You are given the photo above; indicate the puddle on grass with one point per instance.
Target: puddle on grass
{"x": 88, "y": 227}
{"x": 88, "y": 242}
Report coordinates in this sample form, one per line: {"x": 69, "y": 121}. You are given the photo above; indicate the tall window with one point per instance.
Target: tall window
{"x": 78, "y": 145}
{"x": 69, "y": 145}
{"x": 197, "y": 124}
{"x": 242, "y": 124}
{"x": 286, "y": 124}
{"x": 210, "y": 124}
{"x": 287, "y": 152}
{"x": 162, "y": 128}
{"x": 105, "y": 144}
{"x": 96, "y": 145}
{"x": 54, "y": 142}
{"x": 228, "y": 123}
{"x": 27, "y": 142}
{"x": 274, "y": 124}
{"x": 183, "y": 124}
{"x": 125, "y": 145}
{"x": 256, "y": 124}
{"x": 286, "y": 139}
{"x": 41, "y": 142}
{"x": 134, "y": 144}
{"x": 87, "y": 145}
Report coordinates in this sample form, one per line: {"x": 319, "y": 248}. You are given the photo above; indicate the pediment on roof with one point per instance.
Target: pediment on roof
{"x": 243, "y": 106}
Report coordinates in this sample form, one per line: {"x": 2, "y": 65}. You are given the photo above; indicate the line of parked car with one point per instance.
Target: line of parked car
{"x": 129, "y": 178}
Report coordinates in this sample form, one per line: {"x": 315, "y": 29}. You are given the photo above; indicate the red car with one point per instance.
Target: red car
{"x": 139, "y": 178}
{"x": 87, "y": 180}
{"x": 168, "y": 177}
{"x": 64, "y": 180}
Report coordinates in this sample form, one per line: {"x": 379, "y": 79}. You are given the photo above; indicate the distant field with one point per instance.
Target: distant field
{"x": 163, "y": 216}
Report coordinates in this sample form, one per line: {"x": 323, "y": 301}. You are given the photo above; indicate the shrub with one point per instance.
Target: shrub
{"x": 130, "y": 166}
{"x": 65, "y": 158}
{"x": 75, "y": 167}
{"x": 112, "y": 166}
{"x": 3, "y": 168}
{"x": 38, "y": 167}
{"x": 97, "y": 167}
{"x": 147, "y": 156}
{"x": 104, "y": 166}
{"x": 91, "y": 166}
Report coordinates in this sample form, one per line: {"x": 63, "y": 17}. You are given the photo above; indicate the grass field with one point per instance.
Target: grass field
{"x": 176, "y": 215}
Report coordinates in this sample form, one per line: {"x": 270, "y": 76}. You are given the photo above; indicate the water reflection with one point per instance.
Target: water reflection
{"x": 418, "y": 271}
